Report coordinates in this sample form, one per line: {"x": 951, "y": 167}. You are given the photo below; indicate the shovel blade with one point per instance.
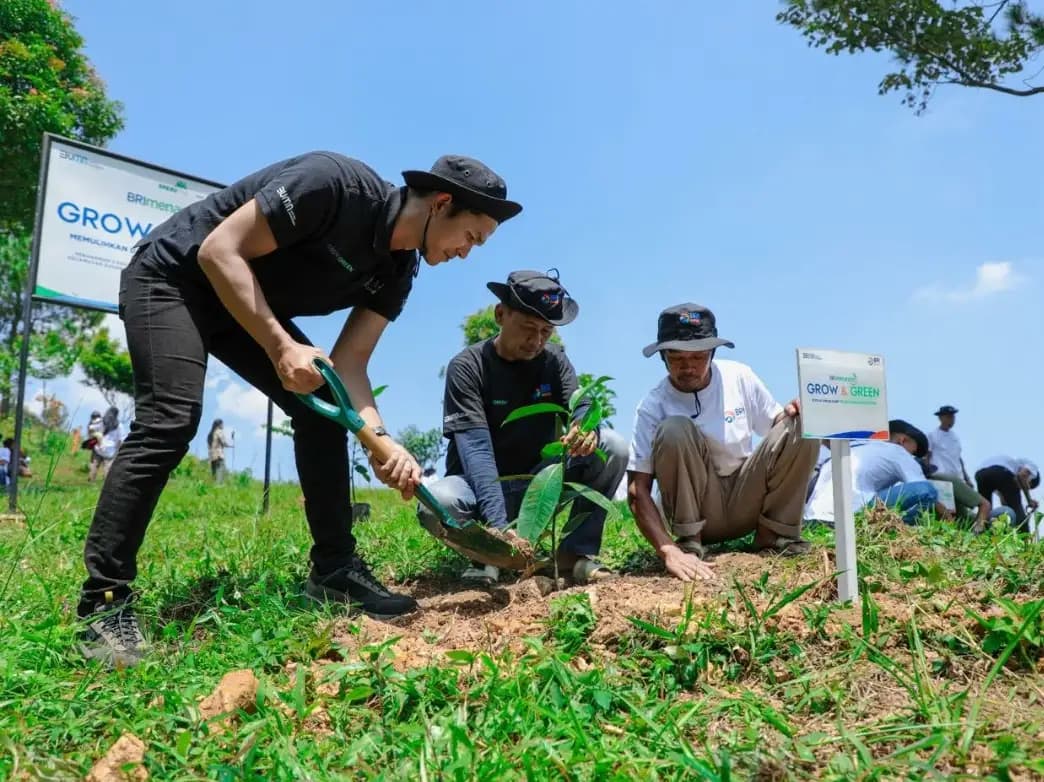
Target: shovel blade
{"x": 474, "y": 542}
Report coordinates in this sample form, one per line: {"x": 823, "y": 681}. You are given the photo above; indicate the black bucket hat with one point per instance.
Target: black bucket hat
{"x": 686, "y": 327}
{"x": 471, "y": 183}
{"x": 899, "y": 426}
{"x": 537, "y": 293}
{"x": 946, "y": 410}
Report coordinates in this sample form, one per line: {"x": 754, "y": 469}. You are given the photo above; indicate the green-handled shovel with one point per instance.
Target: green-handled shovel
{"x": 472, "y": 540}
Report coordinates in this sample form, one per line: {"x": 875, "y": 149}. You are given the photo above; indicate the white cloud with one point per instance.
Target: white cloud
{"x": 244, "y": 402}
{"x": 990, "y": 278}
{"x": 217, "y": 373}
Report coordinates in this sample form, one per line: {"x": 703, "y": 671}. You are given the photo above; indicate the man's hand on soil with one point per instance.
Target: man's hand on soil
{"x": 686, "y": 566}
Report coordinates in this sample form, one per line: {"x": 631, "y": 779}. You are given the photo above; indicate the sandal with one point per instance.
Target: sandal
{"x": 588, "y": 570}
{"x": 787, "y": 547}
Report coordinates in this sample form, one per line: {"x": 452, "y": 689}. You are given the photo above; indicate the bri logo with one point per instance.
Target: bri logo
{"x": 551, "y": 299}
{"x": 542, "y": 391}
{"x": 690, "y": 318}
{"x": 733, "y": 415}
{"x": 288, "y": 204}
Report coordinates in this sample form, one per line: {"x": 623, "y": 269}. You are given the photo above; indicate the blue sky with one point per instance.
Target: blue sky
{"x": 664, "y": 152}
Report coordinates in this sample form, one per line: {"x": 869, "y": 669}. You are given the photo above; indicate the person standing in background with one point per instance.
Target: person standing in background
{"x": 216, "y": 445}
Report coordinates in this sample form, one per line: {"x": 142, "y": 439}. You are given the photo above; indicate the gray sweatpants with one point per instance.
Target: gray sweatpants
{"x": 767, "y": 491}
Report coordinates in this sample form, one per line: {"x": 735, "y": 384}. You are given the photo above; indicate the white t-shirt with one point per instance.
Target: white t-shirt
{"x": 5, "y": 455}
{"x": 876, "y": 466}
{"x": 1012, "y": 465}
{"x": 109, "y": 442}
{"x": 735, "y": 406}
{"x": 946, "y": 451}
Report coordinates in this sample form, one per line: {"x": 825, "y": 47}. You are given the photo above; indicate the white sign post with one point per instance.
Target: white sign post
{"x": 843, "y": 399}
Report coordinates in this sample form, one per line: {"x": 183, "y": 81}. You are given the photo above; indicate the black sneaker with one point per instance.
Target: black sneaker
{"x": 355, "y": 585}
{"x": 112, "y": 635}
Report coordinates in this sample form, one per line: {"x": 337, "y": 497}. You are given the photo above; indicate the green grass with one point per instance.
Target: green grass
{"x": 938, "y": 674}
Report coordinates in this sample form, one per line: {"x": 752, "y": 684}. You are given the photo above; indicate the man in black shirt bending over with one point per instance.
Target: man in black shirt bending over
{"x": 484, "y": 383}
{"x": 225, "y": 276}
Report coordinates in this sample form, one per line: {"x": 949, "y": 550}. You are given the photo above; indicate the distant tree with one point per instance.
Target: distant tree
{"x": 426, "y": 447}
{"x": 482, "y": 325}
{"x": 107, "y": 367}
{"x": 970, "y": 44}
{"x": 46, "y": 85}
{"x": 59, "y": 333}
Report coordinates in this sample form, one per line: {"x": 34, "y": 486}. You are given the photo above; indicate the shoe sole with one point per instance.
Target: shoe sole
{"x": 321, "y": 594}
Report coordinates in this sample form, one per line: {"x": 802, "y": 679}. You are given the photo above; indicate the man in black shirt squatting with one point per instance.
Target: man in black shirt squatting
{"x": 225, "y": 276}
{"x": 484, "y": 383}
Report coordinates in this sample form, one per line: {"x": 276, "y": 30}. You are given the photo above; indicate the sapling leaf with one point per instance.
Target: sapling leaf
{"x": 601, "y": 454}
{"x": 598, "y": 499}
{"x": 537, "y": 409}
{"x": 592, "y": 417}
{"x": 540, "y": 502}
{"x": 574, "y": 521}
{"x": 379, "y": 390}
{"x": 552, "y": 450}
{"x": 584, "y": 391}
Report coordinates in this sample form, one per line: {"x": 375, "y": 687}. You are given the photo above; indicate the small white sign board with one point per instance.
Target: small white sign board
{"x": 945, "y": 489}
{"x": 842, "y": 399}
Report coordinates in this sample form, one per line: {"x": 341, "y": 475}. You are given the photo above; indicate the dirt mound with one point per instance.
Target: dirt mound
{"x": 122, "y": 763}
{"x": 458, "y": 617}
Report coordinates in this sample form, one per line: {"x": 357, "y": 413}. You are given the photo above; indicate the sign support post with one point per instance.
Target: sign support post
{"x": 842, "y": 399}
{"x": 844, "y": 521}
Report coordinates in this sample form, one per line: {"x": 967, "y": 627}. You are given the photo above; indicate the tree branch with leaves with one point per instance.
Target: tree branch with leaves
{"x": 980, "y": 45}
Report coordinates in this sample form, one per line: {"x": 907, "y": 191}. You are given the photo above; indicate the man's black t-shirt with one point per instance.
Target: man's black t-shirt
{"x": 332, "y": 219}
{"x": 482, "y": 389}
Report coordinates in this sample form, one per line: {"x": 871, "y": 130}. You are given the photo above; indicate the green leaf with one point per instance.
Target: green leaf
{"x": 601, "y": 501}
{"x": 461, "y": 656}
{"x": 601, "y": 454}
{"x": 537, "y": 409}
{"x": 540, "y": 502}
{"x": 592, "y": 417}
{"x": 379, "y": 390}
{"x": 552, "y": 450}
{"x": 363, "y": 472}
{"x": 584, "y": 391}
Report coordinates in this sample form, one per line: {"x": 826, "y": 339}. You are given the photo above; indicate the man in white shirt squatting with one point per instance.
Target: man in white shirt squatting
{"x": 693, "y": 434}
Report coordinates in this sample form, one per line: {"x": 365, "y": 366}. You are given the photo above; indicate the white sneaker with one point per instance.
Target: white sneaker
{"x": 486, "y": 574}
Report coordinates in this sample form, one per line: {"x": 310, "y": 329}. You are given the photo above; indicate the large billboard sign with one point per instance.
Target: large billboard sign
{"x": 94, "y": 207}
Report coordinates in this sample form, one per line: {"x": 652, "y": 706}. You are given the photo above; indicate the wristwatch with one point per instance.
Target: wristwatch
{"x": 380, "y": 431}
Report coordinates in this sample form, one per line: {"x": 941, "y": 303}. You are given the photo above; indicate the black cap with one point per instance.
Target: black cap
{"x": 946, "y": 410}
{"x": 537, "y": 293}
{"x": 899, "y": 426}
{"x": 472, "y": 184}
{"x": 686, "y": 327}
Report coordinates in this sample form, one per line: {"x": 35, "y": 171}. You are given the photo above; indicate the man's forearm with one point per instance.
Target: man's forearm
{"x": 650, "y": 523}
{"x": 239, "y": 290}
{"x": 357, "y": 384}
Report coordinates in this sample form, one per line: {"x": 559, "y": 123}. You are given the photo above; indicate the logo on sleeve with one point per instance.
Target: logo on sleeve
{"x": 288, "y": 204}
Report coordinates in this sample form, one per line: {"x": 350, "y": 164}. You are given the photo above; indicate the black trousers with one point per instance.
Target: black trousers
{"x": 171, "y": 329}
{"x": 1001, "y": 480}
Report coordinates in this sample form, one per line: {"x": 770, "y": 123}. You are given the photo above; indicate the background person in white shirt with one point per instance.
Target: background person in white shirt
{"x": 1011, "y": 478}
{"x": 885, "y": 471}
{"x": 693, "y": 434}
{"x": 945, "y": 447}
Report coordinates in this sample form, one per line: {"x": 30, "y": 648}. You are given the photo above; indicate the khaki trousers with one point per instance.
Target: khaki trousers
{"x": 766, "y": 492}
